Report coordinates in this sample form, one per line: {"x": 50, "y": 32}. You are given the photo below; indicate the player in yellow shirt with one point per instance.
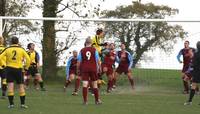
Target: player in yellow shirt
{"x": 34, "y": 67}
{"x": 97, "y": 40}
{"x": 2, "y": 70}
{"x": 14, "y": 64}
{"x": 97, "y": 43}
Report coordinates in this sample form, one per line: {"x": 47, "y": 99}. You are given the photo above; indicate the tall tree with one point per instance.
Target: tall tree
{"x": 52, "y": 45}
{"x": 48, "y": 43}
{"x": 140, "y": 37}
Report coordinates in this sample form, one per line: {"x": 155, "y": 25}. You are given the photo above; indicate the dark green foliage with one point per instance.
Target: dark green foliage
{"x": 140, "y": 37}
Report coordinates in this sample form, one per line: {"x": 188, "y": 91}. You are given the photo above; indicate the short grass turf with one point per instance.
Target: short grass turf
{"x": 157, "y": 92}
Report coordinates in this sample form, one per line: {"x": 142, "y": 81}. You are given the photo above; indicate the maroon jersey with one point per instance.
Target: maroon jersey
{"x": 186, "y": 57}
{"x": 88, "y": 59}
{"x": 109, "y": 59}
{"x": 73, "y": 65}
{"x": 124, "y": 61}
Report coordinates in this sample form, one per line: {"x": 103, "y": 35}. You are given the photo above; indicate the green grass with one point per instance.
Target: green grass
{"x": 157, "y": 92}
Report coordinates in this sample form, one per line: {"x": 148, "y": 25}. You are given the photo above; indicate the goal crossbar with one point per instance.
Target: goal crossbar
{"x": 98, "y": 19}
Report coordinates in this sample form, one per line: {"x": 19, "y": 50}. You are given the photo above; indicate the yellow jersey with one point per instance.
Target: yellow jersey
{"x": 14, "y": 57}
{"x": 3, "y": 61}
{"x": 34, "y": 57}
{"x": 96, "y": 43}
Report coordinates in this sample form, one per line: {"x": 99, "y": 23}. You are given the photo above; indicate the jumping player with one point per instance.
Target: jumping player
{"x": 125, "y": 61}
{"x": 97, "y": 43}
{"x": 14, "y": 56}
{"x": 90, "y": 62}
{"x": 186, "y": 62}
{"x": 34, "y": 67}
{"x": 2, "y": 70}
{"x": 97, "y": 40}
{"x": 71, "y": 73}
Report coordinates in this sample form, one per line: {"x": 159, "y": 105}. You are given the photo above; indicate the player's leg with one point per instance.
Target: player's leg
{"x": 94, "y": 77}
{"x": 90, "y": 87}
{"x": 68, "y": 80}
{"x": 28, "y": 78}
{"x": 38, "y": 77}
{"x": 10, "y": 80}
{"x": 109, "y": 74}
{"x": 110, "y": 83}
{"x": 77, "y": 85}
{"x": 185, "y": 84}
{"x": 4, "y": 87}
{"x": 192, "y": 93}
{"x": 3, "y": 83}
{"x": 22, "y": 95}
{"x": 11, "y": 94}
{"x": 114, "y": 79}
{"x": 96, "y": 93}
{"x": 85, "y": 81}
{"x": 116, "y": 75}
{"x": 20, "y": 83}
{"x": 100, "y": 80}
{"x": 130, "y": 78}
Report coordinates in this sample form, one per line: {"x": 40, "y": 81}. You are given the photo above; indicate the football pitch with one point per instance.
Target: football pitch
{"x": 157, "y": 92}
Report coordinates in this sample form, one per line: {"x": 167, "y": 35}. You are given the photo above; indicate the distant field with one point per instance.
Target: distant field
{"x": 157, "y": 92}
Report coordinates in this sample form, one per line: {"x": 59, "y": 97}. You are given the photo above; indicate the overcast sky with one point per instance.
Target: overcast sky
{"x": 188, "y": 9}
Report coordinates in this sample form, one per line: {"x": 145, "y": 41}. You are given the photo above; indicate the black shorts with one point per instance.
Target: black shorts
{"x": 32, "y": 70}
{"x": 3, "y": 73}
{"x": 196, "y": 76}
{"x": 14, "y": 74}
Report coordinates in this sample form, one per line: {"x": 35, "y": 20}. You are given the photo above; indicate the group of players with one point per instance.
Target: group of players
{"x": 191, "y": 69}
{"x": 93, "y": 61}
{"x": 15, "y": 64}
{"x": 88, "y": 66}
{"x": 18, "y": 65}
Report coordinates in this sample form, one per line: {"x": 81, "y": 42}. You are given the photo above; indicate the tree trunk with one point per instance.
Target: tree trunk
{"x": 48, "y": 43}
{"x": 2, "y": 7}
{"x": 3, "y": 12}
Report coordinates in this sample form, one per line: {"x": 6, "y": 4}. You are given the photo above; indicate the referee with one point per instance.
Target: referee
{"x": 14, "y": 64}
{"x": 195, "y": 74}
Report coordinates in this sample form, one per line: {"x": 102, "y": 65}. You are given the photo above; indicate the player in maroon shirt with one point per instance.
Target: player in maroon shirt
{"x": 186, "y": 62}
{"x": 71, "y": 73}
{"x": 107, "y": 65}
{"x": 125, "y": 61}
{"x": 90, "y": 63}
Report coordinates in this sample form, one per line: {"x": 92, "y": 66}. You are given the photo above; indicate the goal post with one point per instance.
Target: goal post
{"x": 1, "y": 26}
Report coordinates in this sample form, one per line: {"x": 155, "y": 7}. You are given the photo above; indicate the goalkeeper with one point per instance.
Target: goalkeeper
{"x": 97, "y": 43}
